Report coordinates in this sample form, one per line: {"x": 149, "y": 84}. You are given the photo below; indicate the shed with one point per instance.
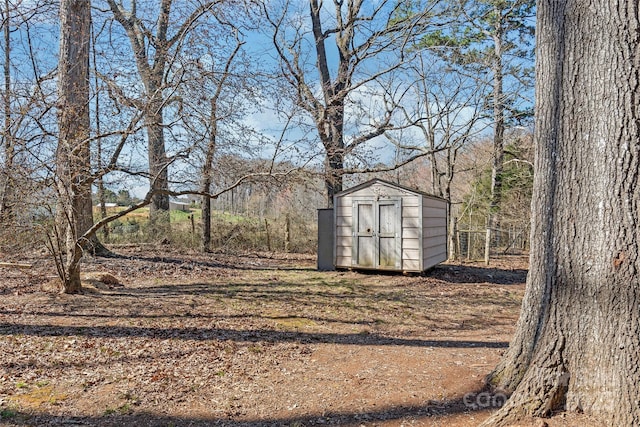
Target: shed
{"x": 383, "y": 226}
{"x": 179, "y": 205}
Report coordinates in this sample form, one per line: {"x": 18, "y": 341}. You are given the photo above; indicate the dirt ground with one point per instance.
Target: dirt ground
{"x": 185, "y": 339}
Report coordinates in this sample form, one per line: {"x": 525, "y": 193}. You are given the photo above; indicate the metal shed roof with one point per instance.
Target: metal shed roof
{"x": 387, "y": 183}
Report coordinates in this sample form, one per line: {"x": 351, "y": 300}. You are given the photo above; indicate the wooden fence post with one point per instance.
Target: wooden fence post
{"x": 287, "y": 234}
{"x": 266, "y": 227}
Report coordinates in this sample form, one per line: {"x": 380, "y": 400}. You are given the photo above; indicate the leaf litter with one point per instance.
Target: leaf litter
{"x": 169, "y": 338}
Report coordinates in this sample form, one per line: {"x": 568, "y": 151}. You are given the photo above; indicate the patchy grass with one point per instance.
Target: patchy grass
{"x": 189, "y": 339}
{"x": 37, "y": 396}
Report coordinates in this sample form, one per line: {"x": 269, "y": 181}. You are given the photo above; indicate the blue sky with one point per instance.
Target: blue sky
{"x": 264, "y": 119}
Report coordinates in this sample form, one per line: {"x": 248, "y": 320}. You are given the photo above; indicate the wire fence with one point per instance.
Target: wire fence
{"x": 470, "y": 242}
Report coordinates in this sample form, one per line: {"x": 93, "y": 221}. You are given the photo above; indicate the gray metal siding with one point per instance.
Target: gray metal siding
{"x": 434, "y": 223}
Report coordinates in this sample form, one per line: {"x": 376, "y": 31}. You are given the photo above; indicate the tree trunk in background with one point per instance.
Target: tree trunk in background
{"x": 495, "y": 200}
{"x": 159, "y": 207}
{"x": 333, "y": 180}
{"x": 210, "y": 151}
{"x": 7, "y": 195}
{"x": 207, "y": 174}
{"x": 73, "y": 154}
{"x": 578, "y": 338}
{"x": 100, "y": 180}
{"x": 357, "y": 35}
{"x": 330, "y": 122}
{"x": 151, "y": 65}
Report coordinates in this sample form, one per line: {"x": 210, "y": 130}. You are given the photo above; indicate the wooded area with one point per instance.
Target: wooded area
{"x": 217, "y": 103}
{"x": 221, "y": 127}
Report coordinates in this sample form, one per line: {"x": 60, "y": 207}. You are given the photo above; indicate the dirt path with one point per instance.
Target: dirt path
{"x": 184, "y": 339}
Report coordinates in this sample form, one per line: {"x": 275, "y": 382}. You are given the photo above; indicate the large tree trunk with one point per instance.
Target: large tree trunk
{"x": 577, "y": 342}
{"x": 330, "y": 119}
{"x": 333, "y": 180}
{"x": 331, "y": 129}
{"x": 159, "y": 208}
{"x": 73, "y": 156}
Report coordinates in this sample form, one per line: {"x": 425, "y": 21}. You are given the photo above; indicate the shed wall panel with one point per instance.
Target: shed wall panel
{"x": 380, "y": 191}
{"x": 411, "y": 233}
{"x": 411, "y": 265}
{"x": 343, "y": 207}
{"x": 410, "y": 254}
{"x": 434, "y": 212}
{"x": 415, "y": 222}
{"x": 343, "y": 231}
{"x": 434, "y": 260}
{"x": 440, "y": 223}
{"x": 410, "y": 212}
{"x": 432, "y": 242}
{"x": 343, "y": 251}
{"x": 344, "y": 221}
{"x": 434, "y": 232}
{"x": 410, "y": 243}
{"x": 434, "y": 223}
{"x": 411, "y": 201}
{"x": 430, "y": 202}
{"x": 343, "y": 262}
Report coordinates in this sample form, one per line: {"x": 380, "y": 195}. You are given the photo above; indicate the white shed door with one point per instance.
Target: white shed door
{"x": 377, "y": 234}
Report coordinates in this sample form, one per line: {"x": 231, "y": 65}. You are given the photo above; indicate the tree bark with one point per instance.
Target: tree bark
{"x": 73, "y": 154}
{"x": 578, "y": 338}
{"x": 159, "y": 207}
{"x": 333, "y": 180}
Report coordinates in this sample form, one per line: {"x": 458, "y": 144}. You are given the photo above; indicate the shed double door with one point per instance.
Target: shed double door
{"x": 377, "y": 233}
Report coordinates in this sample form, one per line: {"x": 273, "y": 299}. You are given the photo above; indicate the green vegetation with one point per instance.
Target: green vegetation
{"x": 6, "y": 414}
{"x": 517, "y": 187}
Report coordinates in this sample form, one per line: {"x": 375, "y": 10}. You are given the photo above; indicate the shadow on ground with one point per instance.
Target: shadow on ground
{"x": 461, "y": 274}
{"x": 254, "y": 335}
{"x": 231, "y": 262}
{"x": 430, "y": 410}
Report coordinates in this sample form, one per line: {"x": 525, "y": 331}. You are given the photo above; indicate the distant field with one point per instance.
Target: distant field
{"x": 142, "y": 215}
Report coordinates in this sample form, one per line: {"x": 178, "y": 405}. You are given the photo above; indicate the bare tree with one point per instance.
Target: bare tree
{"x": 491, "y": 41}
{"x": 577, "y": 340}
{"x": 7, "y": 190}
{"x": 27, "y": 100}
{"x": 451, "y": 119}
{"x": 447, "y": 110}
{"x": 155, "y": 48}
{"x": 218, "y": 78}
{"x": 354, "y": 46}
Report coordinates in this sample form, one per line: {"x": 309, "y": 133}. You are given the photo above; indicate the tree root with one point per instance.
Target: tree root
{"x": 541, "y": 392}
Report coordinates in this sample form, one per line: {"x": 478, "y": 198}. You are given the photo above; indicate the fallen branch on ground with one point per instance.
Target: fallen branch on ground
{"x": 15, "y": 265}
